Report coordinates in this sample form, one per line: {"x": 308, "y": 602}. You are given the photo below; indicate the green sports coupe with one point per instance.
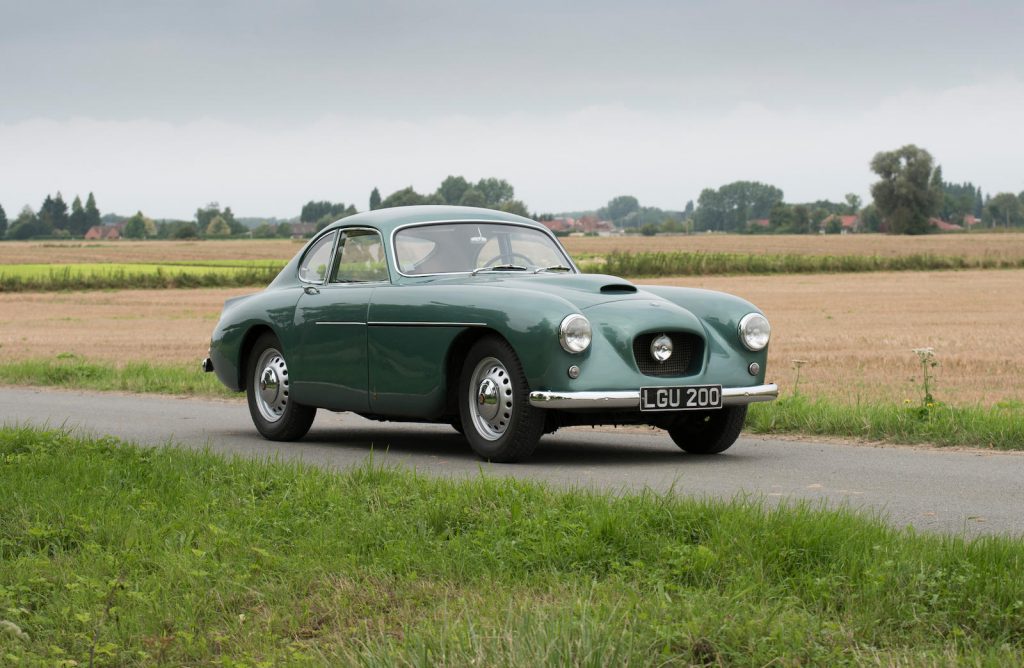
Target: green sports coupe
{"x": 481, "y": 320}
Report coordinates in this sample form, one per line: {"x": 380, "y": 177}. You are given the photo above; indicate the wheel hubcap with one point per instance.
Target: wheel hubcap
{"x": 271, "y": 381}
{"x": 491, "y": 403}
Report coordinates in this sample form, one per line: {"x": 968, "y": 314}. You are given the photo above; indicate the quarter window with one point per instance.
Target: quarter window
{"x": 360, "y": 258}
{"x": 313, "y": 268}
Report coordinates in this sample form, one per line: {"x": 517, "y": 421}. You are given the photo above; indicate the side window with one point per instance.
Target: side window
{"x": 313, "y": 268}
{"x": 360, "y": 258}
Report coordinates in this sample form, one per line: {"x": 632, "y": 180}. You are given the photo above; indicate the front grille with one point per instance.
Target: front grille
{"x": 687, "y": 353}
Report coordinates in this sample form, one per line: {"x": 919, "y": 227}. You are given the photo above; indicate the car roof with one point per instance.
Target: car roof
{"x": 386, "y": 220}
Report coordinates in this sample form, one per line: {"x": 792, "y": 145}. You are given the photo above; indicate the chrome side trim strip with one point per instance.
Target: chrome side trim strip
{"x": 731, "y": 396}
{"x": 330, "y": 322}
{"x": 426, "y": 324}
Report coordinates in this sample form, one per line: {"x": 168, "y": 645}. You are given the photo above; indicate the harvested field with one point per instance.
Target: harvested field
{"x": 856, "y": 331}
{"x": 977, "y": 245}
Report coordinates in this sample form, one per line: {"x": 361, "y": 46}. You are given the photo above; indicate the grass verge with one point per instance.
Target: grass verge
{"x": 119, "y": 555}
{"x": 72, "y": 371}
{"x": 999, "y": 427}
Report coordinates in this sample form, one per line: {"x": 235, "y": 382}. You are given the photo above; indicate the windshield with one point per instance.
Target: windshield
{"x": 445, "y": 248}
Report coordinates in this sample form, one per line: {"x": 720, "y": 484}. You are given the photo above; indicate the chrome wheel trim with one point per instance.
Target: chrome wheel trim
{"x": 270, "y": 385}
{"x": 491, "y": 401}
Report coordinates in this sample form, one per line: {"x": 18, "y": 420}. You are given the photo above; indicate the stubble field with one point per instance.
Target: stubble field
{"x": 856, "y": 332}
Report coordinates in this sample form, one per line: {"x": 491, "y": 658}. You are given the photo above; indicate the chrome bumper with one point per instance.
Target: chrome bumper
{"x": 731, "y": 396}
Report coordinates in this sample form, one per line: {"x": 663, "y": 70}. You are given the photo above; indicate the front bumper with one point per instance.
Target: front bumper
{"x": 731, "y": 396}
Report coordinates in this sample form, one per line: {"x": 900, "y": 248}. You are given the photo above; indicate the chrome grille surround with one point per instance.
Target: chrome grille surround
{"x": 687, "y": 355}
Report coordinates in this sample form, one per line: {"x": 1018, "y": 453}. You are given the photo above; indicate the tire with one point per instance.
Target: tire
{"x": 494, "y": 403}
{"x": 708, "y": 432}
{"x": 276, "y": 417}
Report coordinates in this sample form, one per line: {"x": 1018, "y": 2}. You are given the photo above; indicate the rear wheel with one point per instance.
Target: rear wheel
{"x": 275, "y": 415}
{"x": 708, "y": 432}
{"x": 494, "y": 403}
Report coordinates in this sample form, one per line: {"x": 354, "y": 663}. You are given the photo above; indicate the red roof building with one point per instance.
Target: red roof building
{"x": 104, "y": 232}
{"x": 944, "y": 226}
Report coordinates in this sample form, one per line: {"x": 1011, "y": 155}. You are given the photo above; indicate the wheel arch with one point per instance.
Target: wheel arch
{"x": 457, "y": 350}
{"x": 245, "y": 350}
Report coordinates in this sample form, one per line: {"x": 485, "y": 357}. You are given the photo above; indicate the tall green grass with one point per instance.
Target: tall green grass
{"x": 679, "y": 263}
{"x": 122, "y": 556}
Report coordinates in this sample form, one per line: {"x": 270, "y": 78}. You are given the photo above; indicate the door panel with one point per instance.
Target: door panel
{"x": 332, "y": 369}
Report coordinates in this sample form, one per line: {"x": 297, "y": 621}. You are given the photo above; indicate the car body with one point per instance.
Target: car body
{"x": 479, "y": 319}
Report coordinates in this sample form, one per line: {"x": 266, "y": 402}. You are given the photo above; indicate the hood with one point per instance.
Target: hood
{"x": 583, "y": 290}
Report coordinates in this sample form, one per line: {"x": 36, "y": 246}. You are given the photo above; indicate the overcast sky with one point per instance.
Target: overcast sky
{"x": 165, "y": 106}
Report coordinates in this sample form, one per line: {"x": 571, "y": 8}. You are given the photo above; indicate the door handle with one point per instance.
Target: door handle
{"x": 310, "y": 290}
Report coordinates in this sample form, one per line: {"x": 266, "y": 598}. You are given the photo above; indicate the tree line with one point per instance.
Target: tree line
{"x": 910, "y": 192}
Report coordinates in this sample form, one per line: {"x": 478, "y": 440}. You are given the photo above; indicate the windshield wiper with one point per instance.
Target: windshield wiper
{"x": 499, "y": 267}
{"x": 557, "y": 267}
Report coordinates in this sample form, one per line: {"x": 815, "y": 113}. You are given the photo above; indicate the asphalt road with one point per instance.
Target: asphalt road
{"x": 968, "y": 492}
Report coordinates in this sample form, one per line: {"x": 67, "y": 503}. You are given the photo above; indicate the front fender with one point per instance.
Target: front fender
{"x": 272, "y": 310}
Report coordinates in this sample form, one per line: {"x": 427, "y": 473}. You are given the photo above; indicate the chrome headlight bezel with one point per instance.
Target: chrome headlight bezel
{"x": 574, "y": 333}
{"x": 755, "y": 332}
{"x": 662, "y": 348}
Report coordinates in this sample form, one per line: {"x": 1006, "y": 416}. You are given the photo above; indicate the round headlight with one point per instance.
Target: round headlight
{"x": 755, "y": 331}
{"x": 661, "y": 348}
{"x": 574, "y": 333}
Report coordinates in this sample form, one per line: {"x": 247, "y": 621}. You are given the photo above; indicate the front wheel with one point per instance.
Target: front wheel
{"x": 275, "y": 415}
{"x": 708, "y": 432}
{"x": 494, "y": 403}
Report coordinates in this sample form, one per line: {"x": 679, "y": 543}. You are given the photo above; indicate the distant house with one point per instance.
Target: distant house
{"x": 104, "y": 232}
{"x": 944, "y": 226}
{"x": 759, "y": 224}
{"x": 970, "y": 221}
{"x": 584, "y": 225}
{"x": 847, "y": 224}
{"x": 303, "y": 230}
{"x": 594, "y": 225}
{"x": 560, "y": 224}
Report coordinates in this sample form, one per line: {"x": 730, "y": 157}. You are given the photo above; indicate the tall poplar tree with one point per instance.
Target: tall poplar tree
{"x": 77, "y": 224}
{"x": 3, "y": 223}
{"x": 92, "y": 214}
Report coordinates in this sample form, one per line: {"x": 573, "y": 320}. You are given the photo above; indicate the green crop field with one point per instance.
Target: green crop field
{"x": 199, "y": 273}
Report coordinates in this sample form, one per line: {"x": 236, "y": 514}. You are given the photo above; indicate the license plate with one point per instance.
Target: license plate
{"x": 682, "y": 398}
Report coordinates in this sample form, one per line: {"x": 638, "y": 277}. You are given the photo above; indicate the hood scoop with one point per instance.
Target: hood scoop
{"x": 618, "y": 289}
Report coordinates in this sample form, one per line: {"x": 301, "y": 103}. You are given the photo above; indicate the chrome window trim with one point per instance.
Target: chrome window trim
{"x": 309, "y": 248}
{"x": 387, "y": 265}
{"x": 538, "y": 228}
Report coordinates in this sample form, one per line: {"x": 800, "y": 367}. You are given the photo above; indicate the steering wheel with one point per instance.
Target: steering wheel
{"x": 522, "y": 259}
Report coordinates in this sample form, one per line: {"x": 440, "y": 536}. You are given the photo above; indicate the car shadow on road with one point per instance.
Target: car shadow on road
{"x": 575, "y": 449}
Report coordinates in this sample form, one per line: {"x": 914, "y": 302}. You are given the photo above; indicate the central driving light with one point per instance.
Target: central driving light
{"x": 661, "y": 348}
